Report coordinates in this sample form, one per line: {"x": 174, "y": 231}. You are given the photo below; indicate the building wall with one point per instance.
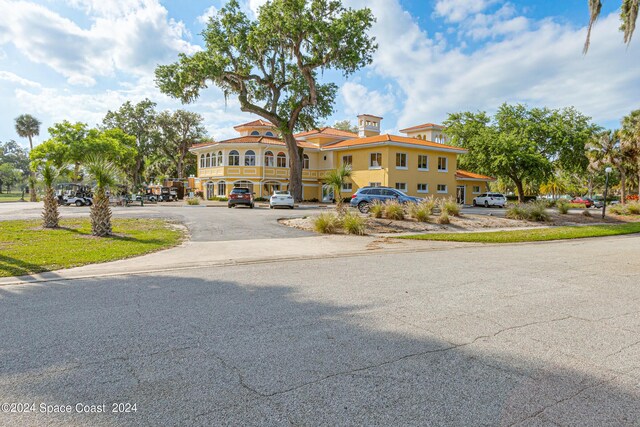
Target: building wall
{"x": 469, "y": 193}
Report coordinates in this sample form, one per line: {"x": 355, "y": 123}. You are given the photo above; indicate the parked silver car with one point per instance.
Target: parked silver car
{"x": 490, "y": 199}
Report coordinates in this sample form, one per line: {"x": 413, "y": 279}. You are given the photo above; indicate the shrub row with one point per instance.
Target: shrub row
{"x": 330, "y": 223}
{"x": 533, "y": 211}
{"x": 628, "y": 209}
{"x": 420, "y": 211}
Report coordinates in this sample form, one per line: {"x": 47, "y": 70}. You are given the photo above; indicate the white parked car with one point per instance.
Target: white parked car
{"x": 281, "y": 198}
{"x": 490, "y": 199}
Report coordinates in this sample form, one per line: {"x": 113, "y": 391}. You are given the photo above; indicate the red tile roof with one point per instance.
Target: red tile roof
{"x": 392, "y": 138}
{"x": 327, "y": 131}
{"x": 255, "y": 123}
{"x": 253, "y": 140}
{"x": 460, "y": 174}
{"x": 422, "y": 126}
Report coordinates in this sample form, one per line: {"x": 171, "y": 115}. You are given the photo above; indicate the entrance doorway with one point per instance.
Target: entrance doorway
{"x": 460, "y": 194}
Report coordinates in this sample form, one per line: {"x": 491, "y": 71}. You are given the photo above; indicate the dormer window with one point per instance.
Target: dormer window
{"x": 269, "y": 133}
{"x": 255, "y": 133}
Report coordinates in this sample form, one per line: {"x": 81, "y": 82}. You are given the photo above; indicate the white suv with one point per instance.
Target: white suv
{"x": 490, "y": 199}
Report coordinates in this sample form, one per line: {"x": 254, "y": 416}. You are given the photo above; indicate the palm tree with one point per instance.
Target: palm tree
{"x": 28, "y": 126}
{"x": 336, "y": 179}
{"x": 630, "y": 139}
{"x": 605, "y": 149}
{"x": 103, "y": 172}
{"x": 628, "y": 16}
{"x": 50, "y": 215}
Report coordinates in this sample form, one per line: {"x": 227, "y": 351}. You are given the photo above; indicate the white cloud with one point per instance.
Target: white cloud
{"x": 542, "y": 65}
{"x": 14, "y": 78}
{"x": 458, "y": 10}
{"x": 360, "y": 100}
{"x": 208, "y": 13}
{"x": 132, "y": 36}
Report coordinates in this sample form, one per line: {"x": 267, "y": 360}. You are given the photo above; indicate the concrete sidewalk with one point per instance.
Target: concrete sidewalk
{"x": 192, "y": 255}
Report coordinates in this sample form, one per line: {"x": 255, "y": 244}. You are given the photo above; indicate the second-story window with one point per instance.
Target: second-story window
{"x": 234, "y": 158}
{"x": 282, "y": 160}
{"x": 249, "y": 158}
{"x": 375, "y": 160}
{"x": 401, "y": 160}
{"x": 220, "y": 163}
{"x": 269, "y": 159}
{"x": 347, "y": 160}
{"x": 442, "y": 164}
{"x": 305, "y": 162}
{"x": 423, "y": 162}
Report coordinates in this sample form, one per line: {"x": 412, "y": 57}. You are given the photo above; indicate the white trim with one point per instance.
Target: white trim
{"x": 446, "y": 189}
{"x": 402, "y": 168}
{"x": 423, "y": 191}
{"x": 475, "y": 179}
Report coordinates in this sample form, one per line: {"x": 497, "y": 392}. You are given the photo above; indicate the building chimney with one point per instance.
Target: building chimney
{"x": 368, "y": 125}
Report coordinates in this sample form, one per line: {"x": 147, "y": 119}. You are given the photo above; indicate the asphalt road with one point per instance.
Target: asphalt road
{"x": 518, "y": 335}
{"x": 522, "y": 335}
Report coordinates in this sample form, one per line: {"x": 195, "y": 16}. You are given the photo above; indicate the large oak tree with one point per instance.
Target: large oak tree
{"x": 520, "y": 144}
{"x": 272, "y": 64}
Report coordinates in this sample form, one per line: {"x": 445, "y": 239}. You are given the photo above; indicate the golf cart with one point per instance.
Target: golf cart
{"x": 74, "y": 194}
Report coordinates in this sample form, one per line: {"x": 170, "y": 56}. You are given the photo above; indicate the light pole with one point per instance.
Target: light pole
{"x": 606, "y": 188}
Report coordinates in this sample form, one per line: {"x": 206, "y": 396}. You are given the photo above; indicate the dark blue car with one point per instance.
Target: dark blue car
{"x": 366, "y": 195}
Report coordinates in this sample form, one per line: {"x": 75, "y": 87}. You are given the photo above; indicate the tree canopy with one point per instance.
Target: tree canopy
{"x": 177, "y": 132}
{"x": 271, "y": 64}
{"x": 520, "y": 144}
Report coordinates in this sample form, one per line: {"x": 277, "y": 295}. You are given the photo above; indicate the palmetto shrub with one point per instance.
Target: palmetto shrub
{"x": 353, "y": 223}
{"x": 393, "y": 210}
{"x": 326, "y": 223}
{"x": 376, "y": 209}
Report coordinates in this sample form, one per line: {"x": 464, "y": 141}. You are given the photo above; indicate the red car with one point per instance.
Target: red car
{"x": 582, "y": 201}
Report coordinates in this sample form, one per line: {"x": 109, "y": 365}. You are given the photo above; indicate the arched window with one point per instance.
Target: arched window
{"x": 202, "y": 160}
{"x": 269, "y": 133}
{"x": 249, "y": 158}
{"x": 214, "y": 160}
{"x": 305, "y": 161}
{"x": 269, "y": 159}
{"x": 208, "y": 161}
{"x": 220, "y": 158}
{"x": 234, "y": 158}
{"x": 255, "y": 133}
{"x": 282, "y": 160}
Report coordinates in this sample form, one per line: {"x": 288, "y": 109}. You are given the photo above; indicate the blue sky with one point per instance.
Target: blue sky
{"x": 76, "y": 59}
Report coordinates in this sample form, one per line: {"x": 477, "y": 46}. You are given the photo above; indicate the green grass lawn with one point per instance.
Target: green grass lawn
{"x": 12, "y": 197}
{"x": 532, "y": 235}
{"x": 26, "y": 248}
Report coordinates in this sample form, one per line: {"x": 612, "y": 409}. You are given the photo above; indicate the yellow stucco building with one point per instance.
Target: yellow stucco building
{"x": 419, "y": 163}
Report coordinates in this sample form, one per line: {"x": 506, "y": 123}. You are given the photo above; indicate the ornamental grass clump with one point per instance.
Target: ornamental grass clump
{"x": 537, "y": 212}
{"x": 618, "y": 209}
{"x": 443, "y": 218}
{"x": 563, "y": 207}
{"x": 376, "y": 209}
{"x": 516, "y": 212}
{"x": 586, "y": 213}
{"x": 393, "y": 210}
{"x": 420, "y": 211}
{"x": 450, "y": 206}
{"x": 352, "y": 223}
{"x": 326, "y": 223}
{"x": 194, "y": 201}
{"x": 633, "y": 208}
